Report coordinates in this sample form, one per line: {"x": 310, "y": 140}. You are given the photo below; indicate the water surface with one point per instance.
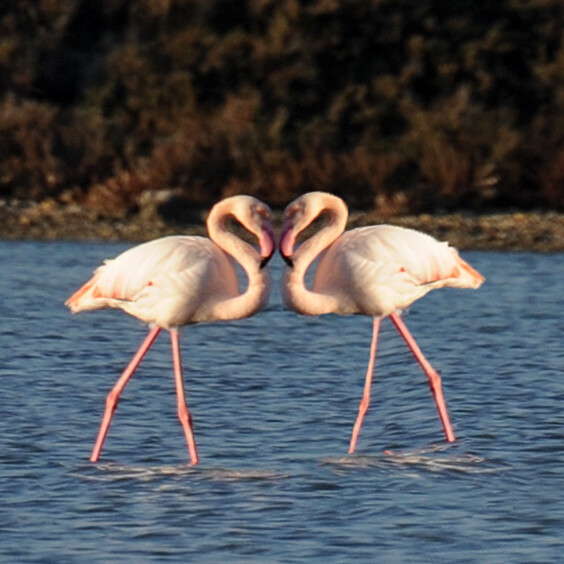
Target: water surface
{"x": 274, "y": 399}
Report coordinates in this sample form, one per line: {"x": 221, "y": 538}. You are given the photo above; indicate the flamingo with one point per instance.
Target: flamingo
{"x": 376, "y": 270}
{"x": 181, "y": 280}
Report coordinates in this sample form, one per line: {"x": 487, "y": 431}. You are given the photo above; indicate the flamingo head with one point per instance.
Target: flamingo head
{"x": 298, "y": 215}
{"x": 256, "y": 217}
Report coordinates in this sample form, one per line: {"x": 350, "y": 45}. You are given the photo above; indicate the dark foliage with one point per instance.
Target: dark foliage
{"x": 408, "y": 105}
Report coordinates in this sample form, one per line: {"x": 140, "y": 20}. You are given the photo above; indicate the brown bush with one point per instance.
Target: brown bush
{"x": 411, "y": 105}
{"x": 29, "y": 164}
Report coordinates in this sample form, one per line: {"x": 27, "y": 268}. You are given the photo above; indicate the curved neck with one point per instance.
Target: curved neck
{"x": 295, "y": 294}
{"x": 257, "y": 293}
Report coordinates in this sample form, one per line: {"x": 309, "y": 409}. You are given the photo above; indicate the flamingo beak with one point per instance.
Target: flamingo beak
{"x": 267, "y": 243}
{"x": 287, "y": 242}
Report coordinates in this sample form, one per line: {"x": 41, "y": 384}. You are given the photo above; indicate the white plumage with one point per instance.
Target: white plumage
{"x": 168, "y": 282}
{"x": 378, "y": 270}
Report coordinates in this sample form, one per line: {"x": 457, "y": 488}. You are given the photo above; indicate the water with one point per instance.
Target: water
{"x": 274, "y": 399}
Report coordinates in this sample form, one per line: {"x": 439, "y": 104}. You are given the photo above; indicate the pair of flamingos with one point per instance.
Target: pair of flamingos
{"x": 175, "y": 281}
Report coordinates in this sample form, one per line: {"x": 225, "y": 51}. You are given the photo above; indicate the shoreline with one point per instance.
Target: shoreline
{"x": 48, "y": 221}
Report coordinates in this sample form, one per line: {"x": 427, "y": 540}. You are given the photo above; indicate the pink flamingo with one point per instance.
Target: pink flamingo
{"x": 176, "y": 281}
{"x": 376, "y": 270}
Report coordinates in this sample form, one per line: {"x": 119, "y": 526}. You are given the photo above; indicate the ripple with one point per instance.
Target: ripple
{"x": 115, "y": 472}
{"x": 430, "y": 459}
{"x": 272, "y": 399}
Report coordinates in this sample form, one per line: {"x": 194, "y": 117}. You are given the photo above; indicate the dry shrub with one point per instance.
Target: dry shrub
{"x": 421, "y": 108}
{"x": 551, "y": 178}
{"x": 455, "y": 174}
{"x": 445, "y": 168}
{"x": 115, "y": 197}
{"x": 198, "y": 161}
{"x": 274, "y": 177}
{"x": 457, "y": 148}
{"x": 358, "y": 175}
{"x": 29, "y": 166}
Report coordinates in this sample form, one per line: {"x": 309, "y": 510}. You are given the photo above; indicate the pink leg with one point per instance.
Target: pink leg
{"x": 432, "y": 375}
{"x": 365, "y": 402}
{"x": 183, "y": 412}
{"x": 113, "y": 396}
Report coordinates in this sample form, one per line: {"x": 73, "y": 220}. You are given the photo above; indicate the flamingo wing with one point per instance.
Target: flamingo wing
{"x": 169, "y": 281}
{"x": 378, "y": 270}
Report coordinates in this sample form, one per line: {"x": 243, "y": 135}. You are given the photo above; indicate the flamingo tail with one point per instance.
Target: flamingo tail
{"x": 469, "y": 276}
{"x": 88, "y": 296}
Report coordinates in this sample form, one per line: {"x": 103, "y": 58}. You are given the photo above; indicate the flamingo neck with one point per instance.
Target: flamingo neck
{"x": 295, "y": 293}
{"x": 257, "y": 293}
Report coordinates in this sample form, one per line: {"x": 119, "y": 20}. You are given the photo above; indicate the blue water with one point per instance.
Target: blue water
{"x": 274, "y": 399}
